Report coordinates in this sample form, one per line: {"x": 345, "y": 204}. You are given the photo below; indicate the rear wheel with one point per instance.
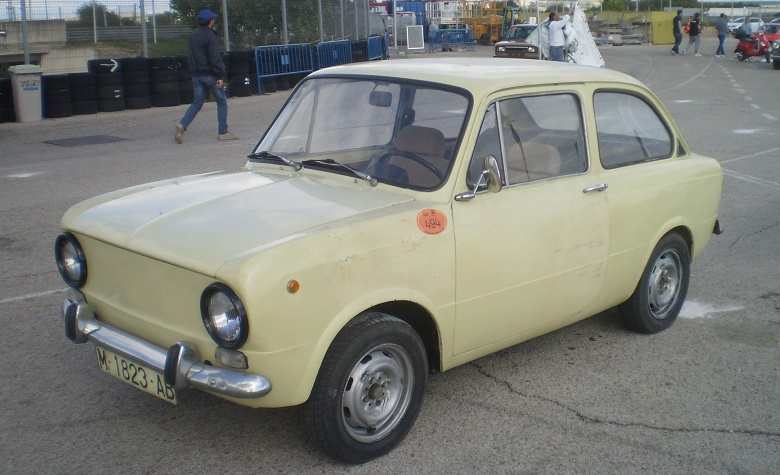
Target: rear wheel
{"x": 369, "y": 390}
{"x": 740, "y": 55}
{"x": 661, "y": 291}
{"x": 776, "y": 64}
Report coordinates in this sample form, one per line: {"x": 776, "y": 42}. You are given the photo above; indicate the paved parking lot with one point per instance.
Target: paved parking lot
{"x": 703, "y": 397}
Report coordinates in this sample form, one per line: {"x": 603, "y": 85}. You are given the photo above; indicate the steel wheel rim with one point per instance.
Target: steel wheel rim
{"x": 663, "y": 290}
{"x": 377, "y": 393}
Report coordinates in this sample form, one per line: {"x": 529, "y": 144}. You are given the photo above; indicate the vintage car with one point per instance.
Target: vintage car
{"x": 775, "y": 54}
{"x": 517, "y": 44}
{"x": 397, "y": 218}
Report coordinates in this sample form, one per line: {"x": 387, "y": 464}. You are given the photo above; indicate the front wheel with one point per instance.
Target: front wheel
{"x": 369, "y": 390}
{"x": 740, "y": 55}
{"x": 661, "y": 291}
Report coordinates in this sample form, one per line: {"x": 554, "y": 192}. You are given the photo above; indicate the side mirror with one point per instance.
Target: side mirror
{"x": 491, "y": 175}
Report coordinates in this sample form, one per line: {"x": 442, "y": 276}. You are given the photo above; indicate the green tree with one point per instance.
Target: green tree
{"x": 613, "y": 5}
{"x": 104, "y": 17}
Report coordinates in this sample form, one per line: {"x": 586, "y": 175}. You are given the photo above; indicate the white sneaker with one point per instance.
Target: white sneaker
{"x": 697, "y": 54}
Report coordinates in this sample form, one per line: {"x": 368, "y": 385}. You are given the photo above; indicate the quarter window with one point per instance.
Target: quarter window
{"x": 629, "y": 130}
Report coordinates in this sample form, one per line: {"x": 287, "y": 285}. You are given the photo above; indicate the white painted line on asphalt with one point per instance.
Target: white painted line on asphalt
{"x": 694, "y": 309}
{"x": 24, "y": 175}
{"x": 736, "y": 159}
{"x": 770, "y": 117}
{"x": 741, "y": 91}
{"x": 752, "y": 179}
{"x": 32, "y": 296}
{"x": 748, "y": 98}
{"x": 755, "y": 106}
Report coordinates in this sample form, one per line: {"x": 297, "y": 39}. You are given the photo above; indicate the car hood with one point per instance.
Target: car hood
{"x": 200, "y": 222}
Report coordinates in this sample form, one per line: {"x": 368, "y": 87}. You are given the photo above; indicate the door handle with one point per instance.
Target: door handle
{"x": 599, "y": 187}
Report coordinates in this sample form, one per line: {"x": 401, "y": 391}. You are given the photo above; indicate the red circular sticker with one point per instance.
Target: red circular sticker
{"x": 431, "y": 221}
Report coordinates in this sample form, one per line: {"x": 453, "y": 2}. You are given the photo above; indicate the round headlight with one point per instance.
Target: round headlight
{"x": 224, "y": 316}
{"x": 71, "y": 261}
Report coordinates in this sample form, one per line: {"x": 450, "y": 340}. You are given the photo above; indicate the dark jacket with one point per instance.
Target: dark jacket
{"x": 204, "y": 53}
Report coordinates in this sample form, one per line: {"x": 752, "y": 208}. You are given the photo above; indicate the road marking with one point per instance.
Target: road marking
{"x": 24, "y": 175}
{"x": 755, "y": 106}
{"x": 736, "y": 159}
{"x": 748, "y": 98}
{"x": 770, "y": 117}
{"x": 32, "y": 296}
{"x": 752, "y": 179}
{"x": 741, "y": 91}
{"x": 694, "y": 309}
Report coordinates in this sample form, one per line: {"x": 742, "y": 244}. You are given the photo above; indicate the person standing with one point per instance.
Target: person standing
{"x": 208, "y": 75}
{"x": 557, "y": 36}
{"x": 677, "y": 30}
{"x": 722, "y": 26}
{"x": 693, "y": 35}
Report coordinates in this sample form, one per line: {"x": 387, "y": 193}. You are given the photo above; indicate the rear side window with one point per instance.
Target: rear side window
{"x": 629, "y": 130}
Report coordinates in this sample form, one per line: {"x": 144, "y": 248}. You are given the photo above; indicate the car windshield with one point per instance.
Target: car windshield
{"x": 520, "y": 32}
{"x": 396, "y": 132}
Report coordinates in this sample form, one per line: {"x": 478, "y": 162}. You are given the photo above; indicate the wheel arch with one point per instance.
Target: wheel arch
{"x": 422, "y": 322}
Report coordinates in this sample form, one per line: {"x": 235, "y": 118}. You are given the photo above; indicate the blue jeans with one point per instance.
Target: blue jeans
{"x": 722, "y": 40}
{"x": 677, "y": 41}
{"x": 556, "y": 52}
{"x": 201, "y": 86}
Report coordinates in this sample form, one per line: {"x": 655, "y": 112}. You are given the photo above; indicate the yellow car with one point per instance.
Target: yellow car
{"x": 517, "y": 43}
{"x": 397, "y": 218}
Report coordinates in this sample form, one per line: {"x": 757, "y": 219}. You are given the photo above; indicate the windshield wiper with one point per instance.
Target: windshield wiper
{"x": 357, "y": 173}
{"x": 266, "y": 154}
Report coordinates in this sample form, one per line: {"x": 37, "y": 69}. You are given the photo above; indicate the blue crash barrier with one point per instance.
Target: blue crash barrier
{"x": 443, "y": 40}
{"x": 378, "y": 47}
{"x": 334, "y": 53}
{"x": 283, "y": 60}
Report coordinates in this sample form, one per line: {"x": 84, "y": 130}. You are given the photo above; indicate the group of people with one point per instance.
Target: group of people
{"x": 694, "y": 34}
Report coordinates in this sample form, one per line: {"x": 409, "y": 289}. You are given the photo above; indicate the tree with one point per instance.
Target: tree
{"x": 613, "y": 5}
{"x": 104, "y": 17}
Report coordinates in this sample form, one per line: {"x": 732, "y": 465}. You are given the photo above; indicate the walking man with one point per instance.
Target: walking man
{"x": 208, "y": 74}
{"x": 678, "y": 36}
{"x": 722, "y": 26}
{"x": 693, "y": 35}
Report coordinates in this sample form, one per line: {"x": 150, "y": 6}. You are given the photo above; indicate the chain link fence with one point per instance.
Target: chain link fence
{"x": 63, "y": 35}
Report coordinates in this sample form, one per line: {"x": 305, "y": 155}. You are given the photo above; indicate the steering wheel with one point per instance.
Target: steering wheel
{"x": 409, "y": 156}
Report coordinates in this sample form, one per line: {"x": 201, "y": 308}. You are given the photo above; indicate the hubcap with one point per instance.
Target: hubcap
{"x": 377, "y": 393}
{"x": 663, "y": 290}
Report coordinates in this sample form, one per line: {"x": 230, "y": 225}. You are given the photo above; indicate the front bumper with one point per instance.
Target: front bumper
{"x": 179, "y": 364}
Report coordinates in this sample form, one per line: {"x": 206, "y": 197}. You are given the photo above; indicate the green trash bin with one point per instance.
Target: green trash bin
{"x": 26, "y": 86}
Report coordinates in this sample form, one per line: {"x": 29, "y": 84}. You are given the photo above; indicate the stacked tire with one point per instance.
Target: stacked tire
{"x": 83, "y": 91}
{"x": 186, "y": 94}
{"x": 238, "y": 78}
{"x": 7, "y": 113}
{"x": 110, "y": 84}
{"x": 135, "y": 73}
{"x": 56, "y": 96}
{"x": 164, "y": 81}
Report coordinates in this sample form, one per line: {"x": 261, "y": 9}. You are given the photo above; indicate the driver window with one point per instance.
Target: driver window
{"x": 488, "y": 143}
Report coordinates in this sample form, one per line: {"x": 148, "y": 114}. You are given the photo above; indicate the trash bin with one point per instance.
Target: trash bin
{"x": 26, "y": 85}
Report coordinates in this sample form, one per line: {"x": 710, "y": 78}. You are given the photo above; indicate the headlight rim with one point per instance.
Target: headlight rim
{"x": 239, "y": 306}
{"x": 80, "y": 255}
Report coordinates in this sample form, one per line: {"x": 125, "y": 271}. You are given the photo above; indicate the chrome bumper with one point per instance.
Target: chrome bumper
{"x": 179, "y": 364}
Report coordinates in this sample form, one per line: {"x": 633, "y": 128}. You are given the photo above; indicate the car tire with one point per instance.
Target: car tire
{"x": 776, "y": 64}
{"x": 375, "y": 361}
{"x": 660, "y": 294}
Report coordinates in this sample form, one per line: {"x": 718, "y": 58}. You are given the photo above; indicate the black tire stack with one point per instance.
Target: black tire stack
{"x": 7, "y": 112}
{"x": 56, "y": 96}
{"x": 83, "y": 91}
{"x": 238, "y": 67}
{"x": 110, "y": 84}
{"x": 164, "y": 81}
{"x": 186, "y": 93}
{"x": 135, "y": 72}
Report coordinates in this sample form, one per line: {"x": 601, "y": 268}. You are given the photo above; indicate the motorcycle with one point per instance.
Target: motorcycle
{"x": 749, "y": 45}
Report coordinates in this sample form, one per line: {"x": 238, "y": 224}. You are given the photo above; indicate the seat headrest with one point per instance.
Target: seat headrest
{"x": 421, "y": 141}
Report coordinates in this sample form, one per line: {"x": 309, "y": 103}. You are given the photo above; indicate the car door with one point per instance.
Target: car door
{"x": 531, "y": 256}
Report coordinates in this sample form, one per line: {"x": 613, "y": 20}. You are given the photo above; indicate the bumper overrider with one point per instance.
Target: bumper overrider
{"x": 179, "y": 363}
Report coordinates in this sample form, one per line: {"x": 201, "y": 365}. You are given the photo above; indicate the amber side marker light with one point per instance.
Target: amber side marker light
{"x": 293, "y": 286}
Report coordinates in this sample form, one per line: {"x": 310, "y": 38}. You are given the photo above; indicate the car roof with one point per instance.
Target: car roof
{"x": 482, "y": 75}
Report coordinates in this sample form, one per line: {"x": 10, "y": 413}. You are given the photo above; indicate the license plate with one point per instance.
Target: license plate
{"x": 142, "y": 377}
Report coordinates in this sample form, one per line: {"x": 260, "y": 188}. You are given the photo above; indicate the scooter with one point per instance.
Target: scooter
{"x": 752, "y": 45}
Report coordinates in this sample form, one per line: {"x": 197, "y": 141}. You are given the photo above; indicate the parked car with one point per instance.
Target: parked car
{"x": 775, "y": 54}
{"x": 397, "y": 218}
{"x": 739, "y": 24}
{"x": 517, "y": 44}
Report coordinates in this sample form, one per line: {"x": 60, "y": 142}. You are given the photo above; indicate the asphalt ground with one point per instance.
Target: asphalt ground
{"x": 703, "y": 397}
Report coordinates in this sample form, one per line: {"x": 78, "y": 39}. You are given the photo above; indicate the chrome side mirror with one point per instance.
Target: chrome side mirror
{"x": 490, "y": 175}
